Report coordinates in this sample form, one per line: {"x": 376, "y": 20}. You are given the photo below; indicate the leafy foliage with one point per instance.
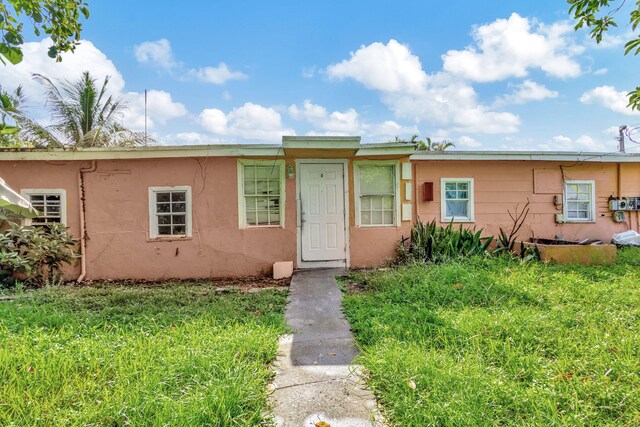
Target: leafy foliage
{"x": 427, "y": 145}
{"x": 35, "y": 253}
{"x": 434, "y": 243}
{"x": 83, "y": 115}
{"x": 58, "y": 19}
{"x": 599, "y": 17}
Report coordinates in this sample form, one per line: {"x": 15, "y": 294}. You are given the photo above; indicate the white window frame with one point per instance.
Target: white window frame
{"x": 396, "y": 191}
{"x": 28, "y": 192}
{"x": 153, "y": 217}
{"x": 592, "y": 201}
{"x": 242, "y": 213}
{"x": 443, "y": 201}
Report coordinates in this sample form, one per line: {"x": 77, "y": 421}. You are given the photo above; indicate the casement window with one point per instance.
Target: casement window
{"x": 261, "y": 187}
{"x": 579, "y": 201}
{"x": 456, "y": 199}
{"x": 377, "y": 189}
{"x": 170, "y": 211}
{"x": 51, "y": 203}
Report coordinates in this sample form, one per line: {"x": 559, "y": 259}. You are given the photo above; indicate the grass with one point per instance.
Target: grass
{"x": 501, "y": 342}
{"x": 171, "y": 355}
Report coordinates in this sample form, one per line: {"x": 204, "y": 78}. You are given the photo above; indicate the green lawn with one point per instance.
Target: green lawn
{"x": 169, "y": 355}
{"x": 500, "y": 342}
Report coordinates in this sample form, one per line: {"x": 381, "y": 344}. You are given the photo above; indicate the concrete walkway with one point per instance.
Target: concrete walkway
{"x": 315, "y": 380}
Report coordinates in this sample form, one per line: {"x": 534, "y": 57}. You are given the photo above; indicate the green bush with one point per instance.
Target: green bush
{"x": 434, "y": 243}
{"x": 35, "y": 254}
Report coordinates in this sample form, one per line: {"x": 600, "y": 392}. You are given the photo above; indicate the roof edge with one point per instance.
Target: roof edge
{"x": 528, "y": 155}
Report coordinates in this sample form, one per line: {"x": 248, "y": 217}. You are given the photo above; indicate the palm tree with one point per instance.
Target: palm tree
{"x": 428, "y": 145}
{"x": 82, "y": 114}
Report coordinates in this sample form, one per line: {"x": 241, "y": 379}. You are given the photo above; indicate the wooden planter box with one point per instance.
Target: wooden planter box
{"x": 576, "y": 254}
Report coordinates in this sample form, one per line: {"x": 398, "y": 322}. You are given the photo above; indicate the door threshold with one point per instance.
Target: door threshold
{"x": 322, "y": 264}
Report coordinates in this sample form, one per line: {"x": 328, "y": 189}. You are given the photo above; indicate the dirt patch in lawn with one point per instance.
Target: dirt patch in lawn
{"x": 242, "y": 284}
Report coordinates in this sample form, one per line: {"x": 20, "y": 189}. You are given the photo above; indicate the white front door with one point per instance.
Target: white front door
{"x": 322, "y": 213}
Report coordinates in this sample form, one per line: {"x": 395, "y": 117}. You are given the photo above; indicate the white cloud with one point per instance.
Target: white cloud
{"x": 609, "y": 97}
{"x": 510, "y": 47}
{"x": 583, "y": 143}
{"x": 156, "y": 53}
{"x": 467, "y": 142}
{"x": 87, "y": 57}
{"x": 336, "y": 122}
{"x": 160, "y": 109}
{"x": 216, "y": 75}
{"x": 525, "y": 92}
{"x": 159, "y": 54}
{"x": 404, "y": 86}
{"x": 600, "y": 72}
{"x": 309, "y": 72}
{"x": 388, "y": 68}
{"x": 247, "y": 122}
{"x": 188, "y": 138}
{"x": 346, "y": 122}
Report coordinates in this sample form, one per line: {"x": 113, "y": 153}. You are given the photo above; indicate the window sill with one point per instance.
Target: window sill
{"x": 573, "y": 221}
{"x": 458, "y": 220}
{"x": 169, "y": 238}
{"x": 378, "y": 226}
{"x": 260, "y": 227}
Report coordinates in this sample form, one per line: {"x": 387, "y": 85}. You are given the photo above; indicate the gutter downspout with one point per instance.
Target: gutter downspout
{"x": 83, "y": 226}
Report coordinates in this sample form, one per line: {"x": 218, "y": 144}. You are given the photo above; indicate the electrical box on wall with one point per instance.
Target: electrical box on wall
{"x": 560, "y": 218}
{"x": 624, "y": 203}
{"x": 618, "y": 204}
{"x": 427, "y": 195}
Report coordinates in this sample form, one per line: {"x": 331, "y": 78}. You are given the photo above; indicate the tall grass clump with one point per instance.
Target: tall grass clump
{"x": 433, "y": 243}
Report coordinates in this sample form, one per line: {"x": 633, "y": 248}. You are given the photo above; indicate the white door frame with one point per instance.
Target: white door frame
{"x": 345, "y": 183}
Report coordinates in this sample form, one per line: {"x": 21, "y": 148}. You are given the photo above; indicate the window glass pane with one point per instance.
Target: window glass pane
{"x": 387, "y": 202}
{"x": 376, "y": 217}
{"x": 163, "y": 207}
{"x": 274, "y": 186}
{"x": 163, "y": 197}
{"x": 178, "y": 196}
{"x": 571, "y": 192}
{"x": 251, "y": 218}
{"x": 37, "y": 198}
{"x": 249, "y": 187}
{"x": 457, "y": 209}
{"x": 164, "y": 230}
{"x": 179, "y": 230}
{"x": 365, "y": 217}
{"x": 53, "y": 198}
{"x": 376, "y": 203}
{"x": 179, "y": 219}
{"x": 179, "y": 207}
{"x": 463, "y": 185}
{"x": 388, "y": 217}
{"x": 376, "y": 179}
{"x": 449, "y": 186}
{"x": 464, "y": 195}
{"x": 451, "y": 195}
{"x": 164, "y": 219}
{"x": 249, "y": 172}
{"x": 263, "y": 218}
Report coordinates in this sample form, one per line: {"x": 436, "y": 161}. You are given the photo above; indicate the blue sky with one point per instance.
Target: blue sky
{"x": 499, "y": 75}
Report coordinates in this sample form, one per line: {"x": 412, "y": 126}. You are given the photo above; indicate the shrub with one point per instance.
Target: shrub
{"x": 35, "y": 253}
{"x": 432, "y": 242}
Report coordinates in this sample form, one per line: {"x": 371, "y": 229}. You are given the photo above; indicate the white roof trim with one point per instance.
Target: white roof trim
{"x": 563, "y": 156}
{"x": 155, "y": 152}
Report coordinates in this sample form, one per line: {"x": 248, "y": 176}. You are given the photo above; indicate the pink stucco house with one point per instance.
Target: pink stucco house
{"x": 232, "y": 210}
